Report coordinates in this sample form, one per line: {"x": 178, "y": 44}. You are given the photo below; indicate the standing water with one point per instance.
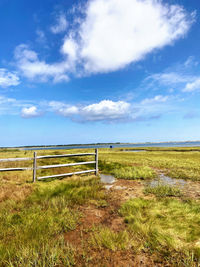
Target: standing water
{"x": 107, "y": 179}
{"x": 166, "y": 180}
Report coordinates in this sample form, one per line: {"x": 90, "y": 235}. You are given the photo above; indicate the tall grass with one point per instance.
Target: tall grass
{"x": 162, "y": 190}
{"x": 32, "y": 231}
{"x": 132, "y": 173}
{"x": 185, "y": 165}
{"x": 126, "y": 172}
{"x": 103, "y": 237}
{"x": 168, "y": 226}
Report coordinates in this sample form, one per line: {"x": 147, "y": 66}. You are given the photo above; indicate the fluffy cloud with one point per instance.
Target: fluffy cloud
{"x": 31, "y": 67}
{"x": 105, "y": 110}
{"x": 61, "y": 24}
{"x": 109, "y": 35}
{"x": 30, "y": 112}
{"x": 8, "y": 79}
{"x": 63, "y": 109}
{"x": 113, "y": 111}
{"x": 192, "y": 86}
{"x": 11, "y": 106}
{"x": 115, "y": 33}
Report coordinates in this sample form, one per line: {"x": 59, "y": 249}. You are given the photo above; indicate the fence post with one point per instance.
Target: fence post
{"x": 34, "y": 166}
{"x": 96, "y": 159}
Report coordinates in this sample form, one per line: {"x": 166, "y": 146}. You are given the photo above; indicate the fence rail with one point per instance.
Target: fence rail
{"x": 35, "y": 167}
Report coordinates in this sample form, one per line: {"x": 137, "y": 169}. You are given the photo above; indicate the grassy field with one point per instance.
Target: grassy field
{"x": 77, "y": 222}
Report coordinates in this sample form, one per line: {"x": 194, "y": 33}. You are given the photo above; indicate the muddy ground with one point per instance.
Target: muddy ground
{"x": 108, "y": 216}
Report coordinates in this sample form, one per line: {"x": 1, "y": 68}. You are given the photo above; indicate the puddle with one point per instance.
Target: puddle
{"x": 166, "y": 180}
{"x": 107, "y": 179}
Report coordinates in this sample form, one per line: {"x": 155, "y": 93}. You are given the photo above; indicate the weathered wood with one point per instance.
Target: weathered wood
{"x": 65, "y": 155}
{"x": 65, "y": 174}
{"x": 34, "y": 167}
{"x": 15, "y": 169}
{"x": 96, "y": 161}
{"x": 65, "y": 165}
{"x": 15, "y": 159}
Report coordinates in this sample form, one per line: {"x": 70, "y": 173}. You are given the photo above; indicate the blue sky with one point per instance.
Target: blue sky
{"x": 99, "y": 71}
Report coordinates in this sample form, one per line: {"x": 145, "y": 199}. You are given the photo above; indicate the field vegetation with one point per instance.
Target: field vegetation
{"x": 77, "y": 222}
{"x": 162, "y": 190}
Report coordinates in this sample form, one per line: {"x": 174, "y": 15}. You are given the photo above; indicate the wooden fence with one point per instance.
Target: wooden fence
{"x": 36, "y": 167}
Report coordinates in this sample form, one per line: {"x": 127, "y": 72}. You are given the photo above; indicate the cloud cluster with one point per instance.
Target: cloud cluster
{"x": 8, "y": 78}
{"x": 105, "y": 110}
{"x": 114, "y": 111}
{"x": 32, "y": 67}
{"x": 110, "y": 35}
{"x": 10, "y": 106}
{"x": 116, "y": 33}
{"x": 193, "y": 86}
{"x": 184, "y": 77}
{"x": 30, "y": 112}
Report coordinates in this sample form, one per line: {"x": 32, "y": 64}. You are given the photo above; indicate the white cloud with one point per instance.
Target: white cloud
{"x": 63, "y": 109}
{"x": 185, "y": 77}
{"x": 61, "y": 24}
{"x": 170, "y": 78}
{"x": 8, "y": 78}
{"x": 154, "y": 100}
{"x": 69, "y": 111}
{"x": 70, "y": 48}
{"x": 109, "y": 35}
{"x": 30, "y": 112}
{"x": 192, "y": 86}
{"x": 11, "y": 106}
{"x": 115, "y": 33}
{"x": 33, "y": 68}
{"x": 106, "y": 110}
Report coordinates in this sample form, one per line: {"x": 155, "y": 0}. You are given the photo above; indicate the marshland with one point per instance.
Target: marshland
{"x": 147, "y": 213}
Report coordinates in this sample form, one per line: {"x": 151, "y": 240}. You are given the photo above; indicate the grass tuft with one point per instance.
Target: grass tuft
{"x": 32, "y": 231}
{"x": 163, "y": 191}
{"x": 103, "y": 237}
{"x": 132, "y": 173}
{"x": 168, "y": 226}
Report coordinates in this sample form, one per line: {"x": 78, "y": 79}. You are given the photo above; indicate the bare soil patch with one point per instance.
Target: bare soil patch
{"x": 108, "y": 216}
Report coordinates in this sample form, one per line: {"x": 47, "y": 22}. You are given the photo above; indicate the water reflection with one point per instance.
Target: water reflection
{"x": 107, "y": 179}
{"x": 166, "y": 180}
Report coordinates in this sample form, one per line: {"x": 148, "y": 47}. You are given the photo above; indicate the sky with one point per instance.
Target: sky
{"x": 78, "y": 71}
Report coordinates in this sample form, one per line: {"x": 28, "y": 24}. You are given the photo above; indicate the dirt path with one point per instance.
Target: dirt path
{"x": 108, "y": 216}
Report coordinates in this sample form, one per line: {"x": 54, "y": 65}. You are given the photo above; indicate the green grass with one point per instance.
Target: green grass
{"x": 32, "y": 231}
{"x": 176, "y": 164}
{"x": 133, "y": 173}
{"x": 127, "y": 172}
{"x": 161, "y": 190}
{"x": 167, "y": 226}
{"x": 103, "y": 237}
